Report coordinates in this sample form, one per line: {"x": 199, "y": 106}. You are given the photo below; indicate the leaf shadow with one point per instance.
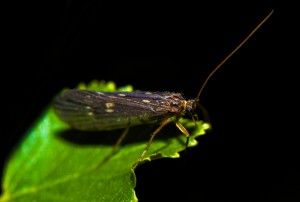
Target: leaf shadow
{"x": 136, "y": 134}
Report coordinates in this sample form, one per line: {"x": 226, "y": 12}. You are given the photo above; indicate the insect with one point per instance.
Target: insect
{"x": 96, "y": 111}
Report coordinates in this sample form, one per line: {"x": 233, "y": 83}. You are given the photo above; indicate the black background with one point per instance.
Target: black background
{"x": 250, "y": 155}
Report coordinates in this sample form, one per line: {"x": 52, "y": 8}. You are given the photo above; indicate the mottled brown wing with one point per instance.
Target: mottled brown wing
{"x": 89, "y": 110}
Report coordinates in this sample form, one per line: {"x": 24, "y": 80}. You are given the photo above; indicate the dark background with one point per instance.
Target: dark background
{"x": 250, "y": 155}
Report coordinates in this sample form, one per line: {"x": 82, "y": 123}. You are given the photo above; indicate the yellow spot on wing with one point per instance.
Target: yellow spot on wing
{"x": 109, "y": 110}
{"x": 109, "y": 105}
{"x": 146, "y": 101}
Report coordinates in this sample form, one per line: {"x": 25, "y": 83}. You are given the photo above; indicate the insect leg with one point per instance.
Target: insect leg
{"x": 120, "y": 139}
{"x": 116, "y": 146}
{"x": 185, "y": 132}
{"x": 163, "y": 124}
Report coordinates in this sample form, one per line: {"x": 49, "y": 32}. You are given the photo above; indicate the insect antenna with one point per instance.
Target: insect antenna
{"x": 197, "y": 102}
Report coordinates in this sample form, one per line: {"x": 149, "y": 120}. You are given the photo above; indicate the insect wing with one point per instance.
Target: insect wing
{"x": 89, "y": 110}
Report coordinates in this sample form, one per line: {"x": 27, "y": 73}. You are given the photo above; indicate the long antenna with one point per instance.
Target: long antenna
{"x": 232, "y": 53}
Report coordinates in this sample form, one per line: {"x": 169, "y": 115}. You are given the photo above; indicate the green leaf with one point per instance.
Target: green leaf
{"x": 55, "y": 163}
